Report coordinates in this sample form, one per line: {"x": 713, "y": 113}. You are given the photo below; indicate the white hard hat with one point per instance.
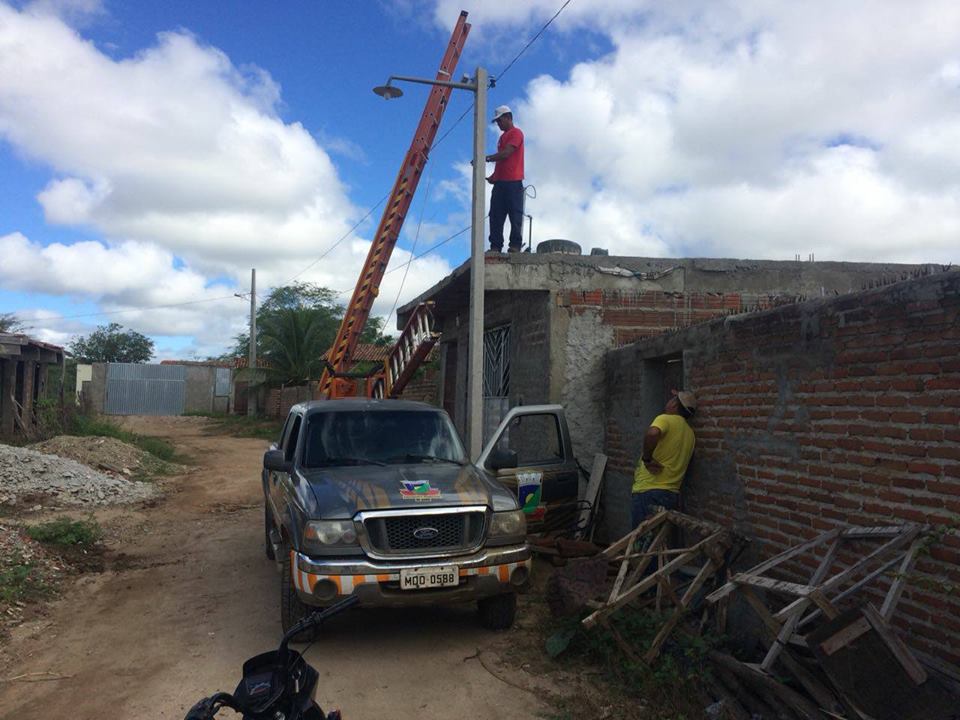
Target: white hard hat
{"x": 502, "y": 110}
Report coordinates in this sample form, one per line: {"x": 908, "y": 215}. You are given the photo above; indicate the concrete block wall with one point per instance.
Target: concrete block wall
{"x": 424, "y": 387}
{"x": 527, "y": 314}
{"x": 842, "y": 410}
{"x": 588, "y": 323}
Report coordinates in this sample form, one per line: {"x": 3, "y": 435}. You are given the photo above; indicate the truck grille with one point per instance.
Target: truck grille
{"x": 414, "y": 534}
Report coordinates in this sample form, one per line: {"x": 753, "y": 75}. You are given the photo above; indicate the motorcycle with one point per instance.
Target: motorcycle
{"x": 276, "y": 685}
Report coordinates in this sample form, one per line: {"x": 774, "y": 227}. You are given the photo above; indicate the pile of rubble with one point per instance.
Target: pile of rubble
{"x": 108, "y": 454}
{"x": 27, "y": 476}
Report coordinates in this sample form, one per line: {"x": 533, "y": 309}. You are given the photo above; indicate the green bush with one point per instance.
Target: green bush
{"x": 66, "y": 532}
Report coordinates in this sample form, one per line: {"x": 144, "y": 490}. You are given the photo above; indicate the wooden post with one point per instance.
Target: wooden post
{"x": 8, "y": 381}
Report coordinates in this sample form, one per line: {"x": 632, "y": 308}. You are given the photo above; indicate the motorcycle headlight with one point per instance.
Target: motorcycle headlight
{"x": 328, "y": 534}
{"x": 512, "y": 523}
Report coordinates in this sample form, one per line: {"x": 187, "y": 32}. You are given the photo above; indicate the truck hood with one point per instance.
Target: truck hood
{"x": 344, "y": 491}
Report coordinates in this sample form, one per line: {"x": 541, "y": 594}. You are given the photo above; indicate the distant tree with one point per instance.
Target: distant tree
{"x": 296, "y": 325}
{"x": 9, "y": 323}
{"x": 111, "y": 343}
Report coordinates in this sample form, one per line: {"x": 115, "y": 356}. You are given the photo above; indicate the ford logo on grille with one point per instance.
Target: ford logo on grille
{"x": 425, "y": 533}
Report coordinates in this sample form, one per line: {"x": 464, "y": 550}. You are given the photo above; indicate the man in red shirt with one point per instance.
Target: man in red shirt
{"x": 507, "y": 180}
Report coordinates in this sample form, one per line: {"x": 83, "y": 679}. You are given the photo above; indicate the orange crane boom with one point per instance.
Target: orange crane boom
{"x": 335, "y": 382}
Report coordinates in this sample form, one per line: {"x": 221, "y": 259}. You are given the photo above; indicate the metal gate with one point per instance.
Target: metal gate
{"x": 135, "y": 389}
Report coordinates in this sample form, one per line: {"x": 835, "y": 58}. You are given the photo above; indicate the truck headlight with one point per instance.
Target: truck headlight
{"x": 512, "y": 523}
{"x": 327, "y": 534}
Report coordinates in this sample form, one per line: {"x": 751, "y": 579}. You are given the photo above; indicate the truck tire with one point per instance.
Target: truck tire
{"x": 498, "y": 612}
{"x": 267, "y": 528}
{"x": 292, "y": 609}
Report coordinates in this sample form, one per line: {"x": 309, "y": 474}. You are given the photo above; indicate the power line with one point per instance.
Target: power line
{"x": 417, "y": 257}
{"x": 342, "y": 238}
{"x": 504, "y": 71}
{"x": 533, "y": 39}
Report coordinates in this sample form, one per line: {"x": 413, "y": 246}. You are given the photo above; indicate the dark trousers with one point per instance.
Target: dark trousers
{"x": 644, "y": 502}
{"x": 506, "y": 200}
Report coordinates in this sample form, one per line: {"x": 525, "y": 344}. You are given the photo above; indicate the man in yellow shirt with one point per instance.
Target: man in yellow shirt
{"x": 667, "y": 447}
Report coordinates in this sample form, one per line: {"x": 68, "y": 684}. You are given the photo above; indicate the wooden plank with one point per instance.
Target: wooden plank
{"x": 821, "y": 694}
{"x": 896, "y": 588}
{"x": 893, "y": 544}
{"x": 687, "y": 522}
{"x": 644, "y": 527}
{"x": 826, "y": 607}
{"x": 845, "y": 637}
{"x": 649, "y": 553}
{"x": 776, "y": 560}
{"x": 856, "y": 586}
{"x": 706, "y": 572}
{"x": 648, "y": 582}
{"x": 862, "y": 533}
{"x": 591, "y": 495}
{"x": 642, "y": 565}
{"x": 814, "y": 687}
{"x": 791, "y": 698}
{"x": 762, "y": 611}
{"x": 622, "y": 573}
{"x": 773, "y": 585}
{"x": 784, "y": 635}
{"x": 900, "y": 651}
{"x": 618, "y": 639}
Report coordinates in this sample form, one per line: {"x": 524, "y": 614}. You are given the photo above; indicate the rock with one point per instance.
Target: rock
{"x": 61, "y": 481}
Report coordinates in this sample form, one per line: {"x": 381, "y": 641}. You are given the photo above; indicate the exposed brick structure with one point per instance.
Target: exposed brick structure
{"x": 638, "y": 314}
{"x": 565, "y": 312}
{"x": 425, "y": 386}
{"x": 841, "y": 410}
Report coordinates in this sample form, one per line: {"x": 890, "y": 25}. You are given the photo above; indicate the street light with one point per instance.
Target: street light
{"x": 478, "y": 86}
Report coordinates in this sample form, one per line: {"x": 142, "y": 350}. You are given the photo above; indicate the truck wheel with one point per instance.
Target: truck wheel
{"x": 267, "y": 528}
{"x": 292, "y": 609}
{"x": 498, "y": 612}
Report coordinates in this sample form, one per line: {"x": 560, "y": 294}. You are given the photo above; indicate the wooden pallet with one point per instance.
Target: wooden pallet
{"x": 896, "y": 554}
{"x": 643, "y": 567}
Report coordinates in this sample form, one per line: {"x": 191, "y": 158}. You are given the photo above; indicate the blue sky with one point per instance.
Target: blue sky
{"x": 151, "y": 153}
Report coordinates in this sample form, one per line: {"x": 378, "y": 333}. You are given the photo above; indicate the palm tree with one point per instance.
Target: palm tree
{"x": 293, "y": 341}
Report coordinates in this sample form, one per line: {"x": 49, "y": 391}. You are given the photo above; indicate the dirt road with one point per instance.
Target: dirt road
{"x": 188, "y": 595}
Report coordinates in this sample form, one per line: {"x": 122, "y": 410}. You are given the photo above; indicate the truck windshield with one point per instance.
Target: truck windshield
{"x": 381, "y": 437}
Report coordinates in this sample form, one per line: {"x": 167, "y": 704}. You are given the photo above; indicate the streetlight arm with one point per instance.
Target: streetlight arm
{"x": 424, "y": 81}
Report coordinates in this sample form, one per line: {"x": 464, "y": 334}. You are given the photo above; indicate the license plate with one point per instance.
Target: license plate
{"x": 432, "y": 577}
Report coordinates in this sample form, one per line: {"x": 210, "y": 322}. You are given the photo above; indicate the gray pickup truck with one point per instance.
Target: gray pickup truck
{"x": 377, "y": 498}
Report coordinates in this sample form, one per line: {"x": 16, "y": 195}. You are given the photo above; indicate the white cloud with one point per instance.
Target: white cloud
{"x": 178, "y": 159}
{"x": 745, "y": 128}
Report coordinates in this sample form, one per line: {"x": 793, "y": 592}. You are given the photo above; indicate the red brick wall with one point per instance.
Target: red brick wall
{"x": 280, "y": 400}
{"x": 844, "y": 410}
{"x": 636, "y": 315}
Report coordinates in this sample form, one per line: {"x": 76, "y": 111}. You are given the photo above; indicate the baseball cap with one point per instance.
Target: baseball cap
{"x": 687, "y": 399}
{"x": 502, "y": 110}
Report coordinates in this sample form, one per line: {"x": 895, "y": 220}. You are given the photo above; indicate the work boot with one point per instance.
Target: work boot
{"x": 512, "y": 249}
{"x": 494, "y": 251}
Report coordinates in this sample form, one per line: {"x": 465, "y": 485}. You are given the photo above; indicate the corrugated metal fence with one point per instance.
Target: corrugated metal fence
{"x": 134, "y": 389}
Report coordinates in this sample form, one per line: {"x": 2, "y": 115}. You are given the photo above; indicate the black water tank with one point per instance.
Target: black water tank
{"x": 564, "y": 247}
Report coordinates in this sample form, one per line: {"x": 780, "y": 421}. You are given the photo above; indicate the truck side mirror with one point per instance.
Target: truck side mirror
{"x": 274, "y": 460}
{"x": 502, "y": 459}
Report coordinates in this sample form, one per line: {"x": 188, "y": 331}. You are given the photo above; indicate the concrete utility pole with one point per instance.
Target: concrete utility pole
{"x": 252, "y": 362}
{"x": 477, "y": 270}
{"x": 478, "y": 86}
